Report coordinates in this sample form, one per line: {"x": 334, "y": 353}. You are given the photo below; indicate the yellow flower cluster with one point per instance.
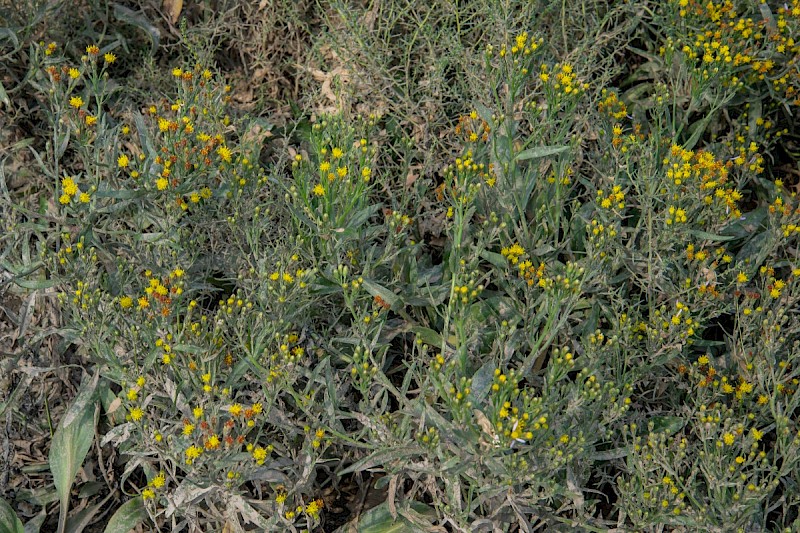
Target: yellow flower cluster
{"x": 513, "y": 253}
{"x": 562, "y": 79}
{"x": 614, "y": 199}
{"x": 723, "y": 40}
{"x": 707, "y": 173}
{"x": 70, "y": 191}
{"x": 522, "y": 46}
{"x": 611, "y": 105}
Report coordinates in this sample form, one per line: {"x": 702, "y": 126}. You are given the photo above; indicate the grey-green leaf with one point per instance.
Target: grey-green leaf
{"x": 140, "y": 21}
{"x": 379, "y": 519}
{"x": 9, "y": 521}
{"x": 70, "y": 445}
{"x": 538, "y": 152}
{"x": 128, "y": 516}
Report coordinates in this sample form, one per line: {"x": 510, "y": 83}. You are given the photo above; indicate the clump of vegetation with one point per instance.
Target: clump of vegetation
{"x": 564, "y": 301}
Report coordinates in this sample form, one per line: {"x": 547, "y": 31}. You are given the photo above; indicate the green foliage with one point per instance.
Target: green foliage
{"x": 71, "y": 442}
{"x": 524, "y": 287}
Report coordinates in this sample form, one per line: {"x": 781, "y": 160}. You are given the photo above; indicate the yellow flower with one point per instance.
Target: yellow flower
{"x": 136, "y": 414}
{"x": 341, "y": 171}
{"x": 728, "y": 438}
{"x": 224, "y": 153}
{"x": 337, "y": 153}
{"x": 260, "y": 455}
{"x": 280, "y": 498}
{"x": 235, "y": 409}
{"x": 93, "y": 49}
{"x": 197, "y": 412}
{"x": 366, "y": 173}
{"x": 132, "y": 394}
{"x": 126, "y": 302}
{"x": 192, "y": 453}
{"x": 741, "y": 277}
{"x": 257, "y": 408}
{"x": 90, "y": 120}
{"x": 212, "y": 443}
{"x": 74, "y": 73}
{"x": 109, "y": 57}
{"x": 159, "y": 480}
{"x": 148, "y": 494}
{"x": 64, "y": 199}
{"x": 162, "y": 183}
{"x": 69, "y": 186}
{"x": 188, "y": 429}
{"x": 319, "y": 190}
{"x": 122, "y": 161}
{"x": 313, "y": 508}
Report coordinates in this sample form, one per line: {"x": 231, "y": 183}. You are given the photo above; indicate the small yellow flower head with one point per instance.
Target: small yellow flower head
{"x": 177, "y": 72}
{"x": 91, "y": 120}
{"x": 159, "y": 480}
{"x": 197, "y": 412}
{"x": 260, "y": 455}
{"x": 64, "y": 199}
{"x": 126, "y": 302}
{"x": 235, "y": 409}
{"x": 148, "y": 494}
{"x": 109, "y": 57}
{"x": 92, "y": 49}
{"x": 69, "y": 186}
{"x": 122, "y": 161}
{"x": 76, "y": 102}
{"x": 136, "y": 414}
{"x": 313, "y": 508}
{"x": 74, "y": 73}
{"x": 337, "y": 153}
{"x": 192, "y": 453}
{"x": 212, "y": 443}
{"x": 162, "y": 183}
{"x": 224, "y": 153}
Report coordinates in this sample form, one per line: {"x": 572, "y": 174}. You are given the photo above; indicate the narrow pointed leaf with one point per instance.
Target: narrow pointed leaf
{"x": 538, "y": 152}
